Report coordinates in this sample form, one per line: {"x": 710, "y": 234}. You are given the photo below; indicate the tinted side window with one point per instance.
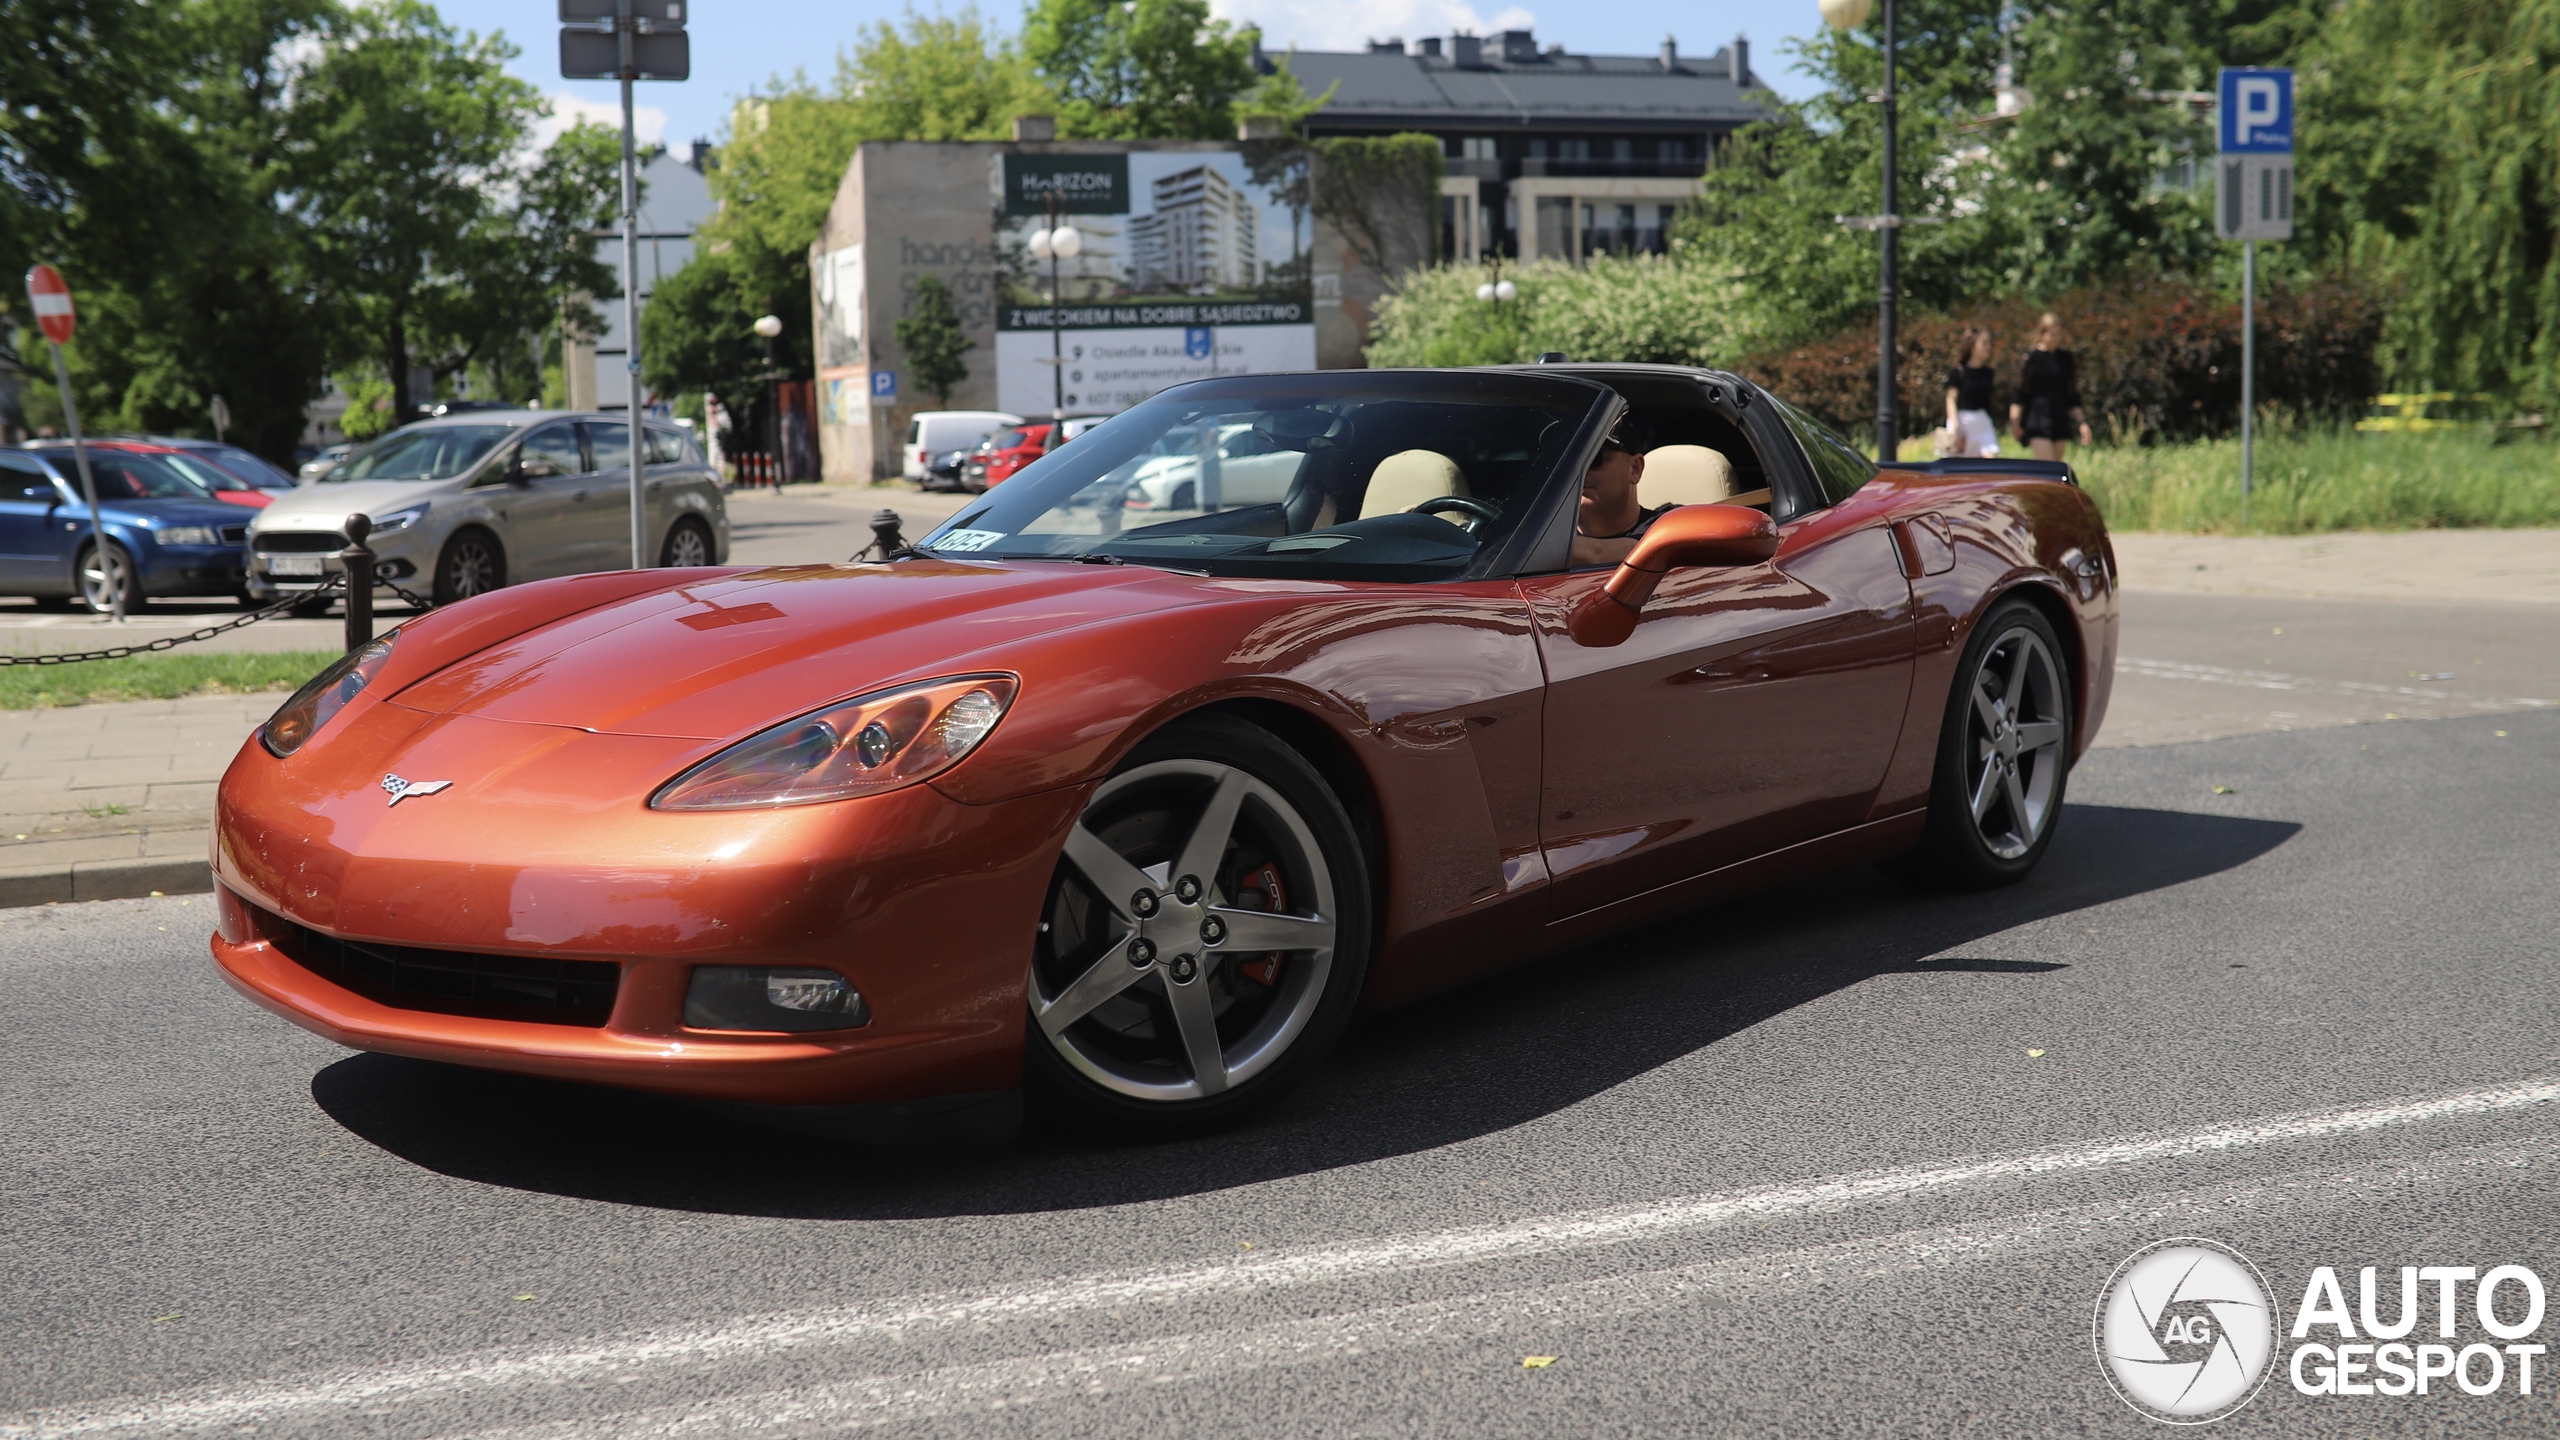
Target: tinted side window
{"x": 1837, "y": 466}
{"x": 666, "y": 447}
{"x": 559, "y": 447}
{"x": 23, "y": 479}
{"x": 611, "y": 445}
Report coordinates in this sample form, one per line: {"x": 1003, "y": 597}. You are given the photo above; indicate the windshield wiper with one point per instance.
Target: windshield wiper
{"x": 1098, "y": 557}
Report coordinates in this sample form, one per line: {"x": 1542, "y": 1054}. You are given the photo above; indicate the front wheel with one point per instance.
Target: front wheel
{"x": 2004, "y": 754}
{"x": 99, "y": 584}
{"x": 1205, "y": 937}
{"x": 470, "y": 564}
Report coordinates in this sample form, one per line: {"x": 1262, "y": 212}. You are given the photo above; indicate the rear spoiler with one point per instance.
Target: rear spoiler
{"x": 1959, "y": 465}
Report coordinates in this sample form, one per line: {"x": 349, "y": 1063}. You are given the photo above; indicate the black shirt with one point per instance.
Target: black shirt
{"x": 1972, "y": 384}
{"x": 2048, "y": 391}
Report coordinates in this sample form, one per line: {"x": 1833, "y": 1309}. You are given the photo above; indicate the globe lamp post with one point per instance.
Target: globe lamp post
{"x": 770, "y": 327}
{"x": 1064, "y": 242}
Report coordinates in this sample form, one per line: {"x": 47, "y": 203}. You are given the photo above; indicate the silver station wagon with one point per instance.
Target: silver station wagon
{"x": 468, "y": 503}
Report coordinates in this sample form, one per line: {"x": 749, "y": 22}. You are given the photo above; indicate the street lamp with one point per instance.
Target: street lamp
{"x": 1849, "y": 15}
{"x": 770, "y": 327}
{"x": 1063, "y": 242}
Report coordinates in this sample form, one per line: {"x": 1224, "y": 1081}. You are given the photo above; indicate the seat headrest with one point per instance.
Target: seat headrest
{"x": 1409, "y": 477}
{"x": 1685, "y": 475}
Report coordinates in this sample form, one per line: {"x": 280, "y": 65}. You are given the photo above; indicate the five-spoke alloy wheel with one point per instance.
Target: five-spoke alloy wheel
{"x": 1205, "y": 936}
{"x": 2004, "y": 754}
{"x": 470, "y": 564}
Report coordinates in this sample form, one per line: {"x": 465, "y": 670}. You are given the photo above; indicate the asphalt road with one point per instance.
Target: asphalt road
{"x": 1850, "y": 1157}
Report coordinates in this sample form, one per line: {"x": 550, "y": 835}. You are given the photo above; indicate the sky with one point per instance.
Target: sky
{"x": 739, "y": 45}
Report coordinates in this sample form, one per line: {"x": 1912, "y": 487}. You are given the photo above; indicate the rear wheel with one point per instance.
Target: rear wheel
{"x": 688, "y": 546}
{"x": 1205, "y": 938}
{"x": 2003, "y": 754}
{"x": 470, "y": 564}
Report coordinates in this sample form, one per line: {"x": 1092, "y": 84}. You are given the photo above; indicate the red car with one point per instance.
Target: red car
{"x": 1004, "y": 452}
{"x": 1133, "y": 817}
{"x": 198, "y": 466}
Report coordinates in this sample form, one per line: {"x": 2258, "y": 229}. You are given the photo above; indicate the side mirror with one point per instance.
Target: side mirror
{"x": 1690, "y": 535}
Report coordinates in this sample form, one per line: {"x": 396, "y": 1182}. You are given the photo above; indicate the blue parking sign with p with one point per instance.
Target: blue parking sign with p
{"x": 1197, "y": 341}
{"x": 884, "y": 386}
{"x": 2257, "y": 112}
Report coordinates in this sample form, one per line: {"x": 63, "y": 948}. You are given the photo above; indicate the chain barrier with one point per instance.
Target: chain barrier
{"x": 172, "y": 642}
{"x": 417, "y": 602}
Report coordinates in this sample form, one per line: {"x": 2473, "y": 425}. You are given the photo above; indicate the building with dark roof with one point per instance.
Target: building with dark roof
{"x": 1550, "y": 154}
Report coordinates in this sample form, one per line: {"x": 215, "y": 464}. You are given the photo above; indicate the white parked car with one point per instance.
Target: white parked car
{"x": 931, "y": 432}
{"x": 1252, "y": 470}
{"x": 470, "y": 502}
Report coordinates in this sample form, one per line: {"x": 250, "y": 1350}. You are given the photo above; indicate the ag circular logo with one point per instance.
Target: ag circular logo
{"x": 2185, "y": 1331}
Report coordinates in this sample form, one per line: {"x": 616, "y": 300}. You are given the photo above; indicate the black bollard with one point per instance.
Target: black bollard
{"x": 884, "y": 534}
{"x": 357, "y": 561}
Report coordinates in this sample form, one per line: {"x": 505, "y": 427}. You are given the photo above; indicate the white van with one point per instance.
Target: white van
{"x": 933, "y": 431}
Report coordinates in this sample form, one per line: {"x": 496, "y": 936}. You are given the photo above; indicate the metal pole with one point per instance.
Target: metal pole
{"x": 1057, "y": 350}
{"x": 631, "y": 284}
{"x": 1888, "y": 428}
{"x": 2248, "y": 369}
{"x": 89, "y": 492}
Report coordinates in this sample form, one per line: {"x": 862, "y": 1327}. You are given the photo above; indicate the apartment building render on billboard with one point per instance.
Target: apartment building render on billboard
{"x": 1202, "y": 237}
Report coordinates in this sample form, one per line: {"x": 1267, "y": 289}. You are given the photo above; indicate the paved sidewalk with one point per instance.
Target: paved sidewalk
{"x": 99, "y": 802}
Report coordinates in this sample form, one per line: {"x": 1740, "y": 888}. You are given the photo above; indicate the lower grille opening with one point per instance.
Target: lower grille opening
{"x": 454, "y": 982}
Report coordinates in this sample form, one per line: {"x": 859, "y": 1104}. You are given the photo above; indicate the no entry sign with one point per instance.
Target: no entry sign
{"x": 51, "y": 300}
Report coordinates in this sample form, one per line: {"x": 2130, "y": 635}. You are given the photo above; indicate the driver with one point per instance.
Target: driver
{"x": 1611, "y": 519}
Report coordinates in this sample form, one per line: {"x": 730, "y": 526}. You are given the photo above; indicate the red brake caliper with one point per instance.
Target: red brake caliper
{"x": 1266, "y": 893}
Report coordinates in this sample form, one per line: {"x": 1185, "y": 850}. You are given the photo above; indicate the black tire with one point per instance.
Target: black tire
{"x": 93, "y": 596}
{"x": 1996, "y": 796}
{"x": 1185, "y": 496}
{"x": 1124, "y": 1064}
{"x": 688, "y": 545}
{"x": 471, "y": 563}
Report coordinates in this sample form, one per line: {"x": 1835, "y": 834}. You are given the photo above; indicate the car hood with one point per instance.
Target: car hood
{"x": 149, "y": 513}
{"x": 743, "y": 650}
{"x": 326, "y": 507}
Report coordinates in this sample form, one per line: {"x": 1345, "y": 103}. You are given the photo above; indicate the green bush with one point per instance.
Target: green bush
{"x": 1666, "y": 309}
{"x": 2323, "y": 480}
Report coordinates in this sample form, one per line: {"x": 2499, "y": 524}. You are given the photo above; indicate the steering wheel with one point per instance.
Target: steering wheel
{"x": 1479, "y": 512}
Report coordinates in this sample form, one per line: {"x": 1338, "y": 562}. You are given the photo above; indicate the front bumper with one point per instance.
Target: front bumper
{"x": 194, "y": 570}
{"x": 928, "y": 906}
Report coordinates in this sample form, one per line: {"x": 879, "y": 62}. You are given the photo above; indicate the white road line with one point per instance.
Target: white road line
{"x": 762, "y": 1338}
{"x": 1538, "y": 1315}
{"x": 2273, "y": 680}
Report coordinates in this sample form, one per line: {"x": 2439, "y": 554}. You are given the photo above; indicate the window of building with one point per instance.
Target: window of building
{"x": 1479, "y": 147}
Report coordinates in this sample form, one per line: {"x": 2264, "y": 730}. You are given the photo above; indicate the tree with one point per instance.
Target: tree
{"x": 424, "y": 235}
{"x": 936, "y": 346}
{"x": 948, "y": 77}
{"x": 1140, "y": 69}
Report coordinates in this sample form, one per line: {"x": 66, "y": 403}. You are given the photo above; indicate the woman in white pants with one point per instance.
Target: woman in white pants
{"x": 1969, "y": 398}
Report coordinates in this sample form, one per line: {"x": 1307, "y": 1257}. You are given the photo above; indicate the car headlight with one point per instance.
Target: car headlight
{"x": 323, "y": 696}
{"x": 861, "y": 746}
{"x": 188, "y": 535}
{"x": 399, "y": 520}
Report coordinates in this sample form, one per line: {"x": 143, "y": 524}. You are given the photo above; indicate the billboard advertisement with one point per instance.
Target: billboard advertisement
{"x": 1189, "y": 264}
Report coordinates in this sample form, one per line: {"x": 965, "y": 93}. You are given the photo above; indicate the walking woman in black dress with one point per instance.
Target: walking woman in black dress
{"x": 2047, "y": 411}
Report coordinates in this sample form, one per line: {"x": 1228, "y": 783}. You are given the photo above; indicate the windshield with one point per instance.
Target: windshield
{"x": 210, "y": 476}
{"x": 256, "y": 470}
{"x": 1377, "y": 475}
{"x": 124, "y": 475}
{"x": 429, "y": 452}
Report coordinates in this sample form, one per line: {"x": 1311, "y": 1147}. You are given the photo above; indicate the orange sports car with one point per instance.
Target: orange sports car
{"x": 1128, "y": 812}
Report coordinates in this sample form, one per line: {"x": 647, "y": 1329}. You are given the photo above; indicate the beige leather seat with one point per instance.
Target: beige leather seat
{"x": 1692, "y": 475}
{"x": 1409, "y": 477}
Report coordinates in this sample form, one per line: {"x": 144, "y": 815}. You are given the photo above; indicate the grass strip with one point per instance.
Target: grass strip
{"x": 2311, "y": 483}
{"x": 157, "y": 677}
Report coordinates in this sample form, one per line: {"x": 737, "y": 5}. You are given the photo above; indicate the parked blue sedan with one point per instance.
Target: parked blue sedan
{"x": 165, "y": 534}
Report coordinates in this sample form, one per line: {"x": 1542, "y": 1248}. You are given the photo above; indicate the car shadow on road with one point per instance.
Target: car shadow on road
{"x": 1488, "y": 1057}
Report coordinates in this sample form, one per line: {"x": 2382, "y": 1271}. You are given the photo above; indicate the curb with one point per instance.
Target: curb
{"x": 105, "y": 880}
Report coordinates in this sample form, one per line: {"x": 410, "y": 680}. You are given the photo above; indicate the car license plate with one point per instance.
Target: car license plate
{"x": 296, "y": 564}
